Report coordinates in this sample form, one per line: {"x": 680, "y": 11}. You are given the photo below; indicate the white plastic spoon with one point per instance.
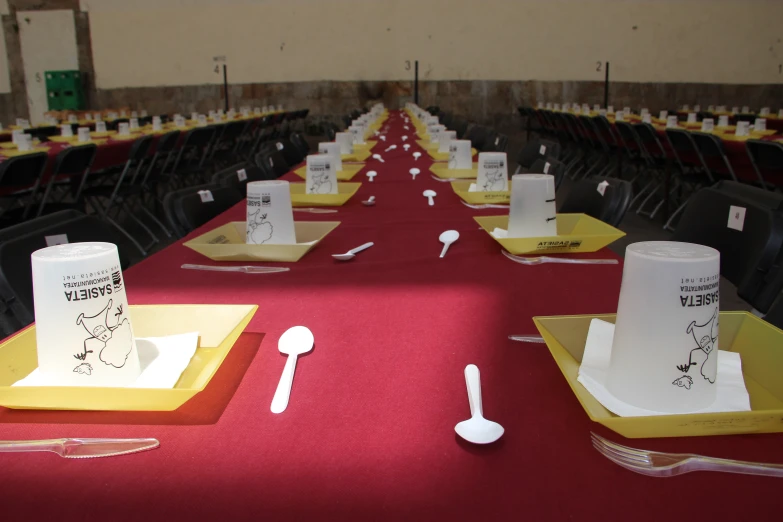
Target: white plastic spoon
{"x": 294, "y": 342}
{"x": 404, "y": 138}
{"x": 477, "y": 429}
{"x": 447, "y": 238}
{"x": 378, "y": 157}
{"x": 370, "y": 202}
{"x": 416, "y": 155}
{"x": 352, "y": 253}
{"x": 390, "y": 147}
{"x": 383, "y": 138}
{"x": 406, "y": 147}
{"x": 372, "y": 175}
{"x": 429, "y": 194}
{"x": 414, "y": 172}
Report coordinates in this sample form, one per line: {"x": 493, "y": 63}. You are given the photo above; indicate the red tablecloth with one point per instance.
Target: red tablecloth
{"x": 369, "y": 432}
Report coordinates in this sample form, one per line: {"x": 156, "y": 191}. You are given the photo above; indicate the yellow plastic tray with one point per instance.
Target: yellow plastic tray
{"x": 219, "y": 327}
{"x": 348, "y": 172}
{"x": 757, "y": 342}
{"x": 358, "y": 155}
{"x": 575, "y": 233}
{"x": 444, "y": 156}
{"x": 443, "y": 171}
{"x": 10, "y": 153}
{"x": 12, "y": 145}
{"x": 366, "y": 146}
{"x": 344, "y": 192}
{"x": 227, "y": 243}
{"x": 478, "y": 198}
{"x": 427, "y": 144}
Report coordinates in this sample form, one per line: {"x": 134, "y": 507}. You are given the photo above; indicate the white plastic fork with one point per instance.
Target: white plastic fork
{"x": 657, "y": 464}
{"x": 316, "y": 210}
{"x": 545, "y": 259}
{"x": 527, "y": 338}
{"x": 445, "y": 180}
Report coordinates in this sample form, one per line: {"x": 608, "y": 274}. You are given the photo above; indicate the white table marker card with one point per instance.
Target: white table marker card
{"x": 736, "y": 218}
{"x": 332, "y": 150}
{"x": 444, "y": 140}
{"x": 460, "y": 155}
{"x": 321, "y": 177}
{"x": 492, "y": 172}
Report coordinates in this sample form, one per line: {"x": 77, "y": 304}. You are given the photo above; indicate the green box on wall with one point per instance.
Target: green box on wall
{"x": 64, "y": 90}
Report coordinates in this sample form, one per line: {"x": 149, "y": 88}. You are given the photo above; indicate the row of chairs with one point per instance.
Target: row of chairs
{"x": 130, "y": 196}
{"x": 692, "y": 160}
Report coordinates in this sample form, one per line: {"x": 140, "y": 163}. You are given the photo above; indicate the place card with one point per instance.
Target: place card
{"x": 332, "y": 150}
{"x": 84, "y": 335}
{"x": 460, "y": 156}
{"x": 270, "y": 217}
{"x": 549, "y": 106}
{"x": 723, "y": 121}
{"x": 745, "y": 109}
{"x": 100, "y": 126}
{"x": 144, "y": 114}
{"x": 157, "y": 124}
{"x": 619, "y": 116}
{"x": 66, "y": 130}
{"x": 345, "y": 139}
{"x": 735, "y": 110}
{"x": 88, "y": 117}
{"x": 707, "y": 125}
{"x": 201, "y": 120}
{"x": 25, "y": 142}
{"x": 16, "y": 136}
{"x": 671, "y": 122}
{"x": 647, "y": 118}
{"x": 663, "y": 115}
{"x": 596, "y": 107}
{"x": 697, "y": 108}
{"x": 685, "y": 108}
{"x": 644, "y": 111}
{"x": 665, "y": 348}
{"x": 602, "y": 112}
{"x": 710, "y": 108}
{"x": 610, "y": 109}
{"x": 692, "y": 117}
{"x": 83, "y": 134}
{"x": 492, "y": 172}
{"x": 760, "y": 125}
{"x": 97, "y": 116}
{"x": 540, "y": 105}
{"x": 123, "y": 129}
{"x": 134, "y": 124}
{"x": 321, "y": 177}
{"x": 532, "y": 210}
{"x": 72, "y": 118}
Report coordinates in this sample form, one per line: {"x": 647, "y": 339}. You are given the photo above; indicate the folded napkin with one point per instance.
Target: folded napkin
{"x": 499, "y": 233}
{"x": 162, "y": 361}
{"x": 732, "y": 394}
{"x": 473, "y": 188}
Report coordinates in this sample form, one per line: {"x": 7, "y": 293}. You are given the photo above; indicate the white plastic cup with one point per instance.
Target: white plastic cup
{"x": 83, "y": 330}
{"x": 665, "y": 348}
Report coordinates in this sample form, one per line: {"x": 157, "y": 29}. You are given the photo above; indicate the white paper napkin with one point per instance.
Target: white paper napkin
{"x": 499, "y": 233}
{"x": 732, "y": 394}
{"x": 162, "y": 360}
{"x": 472, "y": 188}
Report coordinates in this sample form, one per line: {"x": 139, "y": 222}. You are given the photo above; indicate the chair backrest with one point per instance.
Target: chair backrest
{"x": 446, "y": 118}
{"x": 477, "y": 134}
{"x": 74, "y": 160}
{"x": 301, "y": 143}
{"x": 167, "y": 142}
{"x": 188, "y": 209}
{"x": 767, "y": 159}
{"x": 495, "y": 142}
{"x": 239, "y": 176}
{"x": 549, "y": 166}
{"x": 23, "y": 171}
{"x": 649, "y": 140}
{"x": 537, "y": 149}
{"x": 747, "y": 255}
{"x": 18, "y": 242}
{"x": 140, "y": 148}
{"x": 273, "y": 163}
{"x": 290, "y": 152}
{"x": 460, "y": 126}
{"x": 610, "y": 207}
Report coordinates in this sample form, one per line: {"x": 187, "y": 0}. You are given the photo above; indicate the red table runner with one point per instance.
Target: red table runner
{"x": 369, "y": 431}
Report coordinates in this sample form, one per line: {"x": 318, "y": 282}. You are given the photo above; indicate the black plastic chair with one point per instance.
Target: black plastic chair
{"x": 495, "y": 142}
{"x": 272, "y": 163}
{"x": 748, "y": 256}
{"x": 193, "y": 154}
{"x": 767, "y": 159}
{"x": 186, "y": 209}
{"x": 74, "y": 164}
{"x": 711, "y": 150}
{"x": 18, "y": 242}
{"x": 477, "y": 135}
{"x": 584, "y": 198}
{"x": 238, "y": 178}
{"x": 290, "y": 152}
{"x": 535, "y": 150}
{"x": 21, "y": 178}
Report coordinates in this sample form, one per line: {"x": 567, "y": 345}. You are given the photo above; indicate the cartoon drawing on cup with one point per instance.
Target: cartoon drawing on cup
{"x": 494, "y": 181}
{"x": 260, "y": 230}
{"x": 705, "y": 335}
{"x": 321, "y": 183}
{"x": 452, "y": 156}
{"x": 112, "y": 343}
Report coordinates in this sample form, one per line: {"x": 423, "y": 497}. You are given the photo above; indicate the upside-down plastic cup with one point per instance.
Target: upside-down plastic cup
{"x": 83, "y": 331}
{"x": 665, "y": 349}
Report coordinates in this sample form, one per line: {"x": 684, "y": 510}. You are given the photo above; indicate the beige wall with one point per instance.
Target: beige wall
{"x": 173, "y": 42}
{"x": 5, "y": 82}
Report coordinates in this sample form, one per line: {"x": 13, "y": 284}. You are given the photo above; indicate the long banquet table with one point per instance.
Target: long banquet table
{"x": 369, "y": 432}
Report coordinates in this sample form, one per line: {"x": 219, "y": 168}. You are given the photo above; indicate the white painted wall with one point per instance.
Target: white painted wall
{"x": 173, "y": 42}
{"x": 48, "y": 40}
